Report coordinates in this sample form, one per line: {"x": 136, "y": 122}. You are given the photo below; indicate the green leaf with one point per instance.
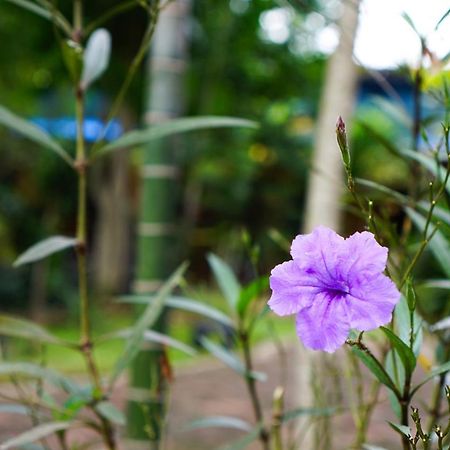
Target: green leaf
{"x": 405, "y": 354}
{"x": 35, "y": 371}
{"x": 436, "y": 284}
{"x": 424, "y": 206}
{"x": 441, "y": 325}
{"x": 250, "y": 292}
{"x": 434, "y": 373}
{"x": 376, "y": 370}
{"x": 395, "y": 110}
{"x": 45, "y": 248}
{"x": 147, "y": 319}
{"x": 243, "y": 442}
{"x": 36, "y": 433}
{"x": 165, "y": 129}
{"x": 185, "y": 304}
{"x": 11, "y": 326}
{"x": 439, "y": 245}
{"x": 402, "y": 429}
{"x": 152, "y": 336}
{"x": 227, "y": 281}
{"x": 32, "y": 7}
{"x": 96, "y": 56}
{"x": 403, "y": 325}
{"x": 111, "y": 413}
{"x": 72, "y": 54}
{"x": 218, "y": 422}
{"x": 230, "y": 359}
{"x": 428, "y": 163}
{"x": 32, "y": 132}
{"x": 383, "y": 189}
{"x": 312, "y": 412}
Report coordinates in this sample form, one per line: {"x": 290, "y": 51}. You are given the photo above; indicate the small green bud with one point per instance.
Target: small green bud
{"x": 341, "y": 136}
{"x": 411, "y": 295}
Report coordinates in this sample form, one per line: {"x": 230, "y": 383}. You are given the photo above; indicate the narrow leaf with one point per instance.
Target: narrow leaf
{"x": 402, "y": 319}
{"x": 437, "y": 284}
{"x": 439, "y": 245}
{"x": 35, "y": 434}
{"x": 165, "y": 129}
{"x": 11, "y": 326}
{"x": 441, "y": 325}
{"x": 227, "y": 281}
{"x": 429, "y": 164}
{"x": 250, "y": 292}
{"x": 96, "y": 56}
{"x": 35, "y": 371}
{"x": 110, "y": 412}
{"x": 185, "y": 304}
{"x": 229, "y": 359}
{"x": 32, "y": 132}
{"x": 402, "y": 429}
{"x": 147, "y": 319}
{"x": 434, "y": 373}
{"x": 45, "y": 248}
{"x": 311, "y": 412}
{"x": 152, "y": 336}
{"x": 374, "y": 368}
{"x": 32, "y": 7}
{"x": 405, "y": 354}
{"x": 245, "y": 441}
{"x": 218, "y": 422}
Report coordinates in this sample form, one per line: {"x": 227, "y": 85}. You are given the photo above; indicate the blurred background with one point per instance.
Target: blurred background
{"x": 236, "y": 189}
{"x": 292, "y": 66}
{"x": 263, "y": 60}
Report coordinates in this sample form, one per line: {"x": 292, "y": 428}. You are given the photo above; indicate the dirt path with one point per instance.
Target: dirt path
{"x": 209, "y": 388}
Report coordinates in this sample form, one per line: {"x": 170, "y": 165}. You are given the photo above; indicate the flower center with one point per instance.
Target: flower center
{"x": 336, "y": 293}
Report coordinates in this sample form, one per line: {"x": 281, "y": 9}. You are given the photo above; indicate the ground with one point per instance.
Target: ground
{"x": 209, "y": 388}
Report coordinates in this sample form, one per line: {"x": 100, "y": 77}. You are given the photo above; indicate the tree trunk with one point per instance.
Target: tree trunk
{"x": 157, "y": 246}
{"x": 323, "y": 207}
{"x": 112, "y": 226}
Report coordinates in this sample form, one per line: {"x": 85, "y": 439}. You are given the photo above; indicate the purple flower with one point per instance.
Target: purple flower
{"x": 333, "y": 284}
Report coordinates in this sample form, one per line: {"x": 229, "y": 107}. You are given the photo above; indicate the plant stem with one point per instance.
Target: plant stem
{"x": 142, "y": 51}
{"x": 277, "y": 416}
{"x": 251, "y": 386}
{"x": 86, "y": 345}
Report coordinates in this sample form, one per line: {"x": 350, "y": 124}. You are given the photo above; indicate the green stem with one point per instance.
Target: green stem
{"x": 416, "y": 257}
{"x": 251, "y": 386}
{"x": 118, "y": 9}
{"x": 86, "y": 345}
{"x": 145, "y": 44}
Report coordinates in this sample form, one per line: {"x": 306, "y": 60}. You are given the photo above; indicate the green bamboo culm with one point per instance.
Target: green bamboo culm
{"x": 157, "y": 254}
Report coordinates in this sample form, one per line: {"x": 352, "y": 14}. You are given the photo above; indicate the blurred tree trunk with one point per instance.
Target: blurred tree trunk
{"x": 112, "y": 226}
{"x": 157, "y": 245}
{"x": 323, "y": 207}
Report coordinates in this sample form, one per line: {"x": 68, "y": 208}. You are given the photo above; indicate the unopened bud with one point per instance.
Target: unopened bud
{"x": 341, "y": 136}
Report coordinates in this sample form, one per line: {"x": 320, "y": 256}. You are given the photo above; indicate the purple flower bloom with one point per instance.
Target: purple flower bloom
{"x": 333, "y": 284}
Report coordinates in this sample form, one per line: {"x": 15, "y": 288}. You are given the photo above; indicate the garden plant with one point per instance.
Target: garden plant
{"x": 367, "y": 294}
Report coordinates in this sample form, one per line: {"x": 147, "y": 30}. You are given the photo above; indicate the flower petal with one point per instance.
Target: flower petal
{"x": 371, "y": 302}
{"x": 361, "y": 252}
{"x": 322, "y": 239}
{"x": 323, "y": 325}
{"x": 292, "y": 289}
